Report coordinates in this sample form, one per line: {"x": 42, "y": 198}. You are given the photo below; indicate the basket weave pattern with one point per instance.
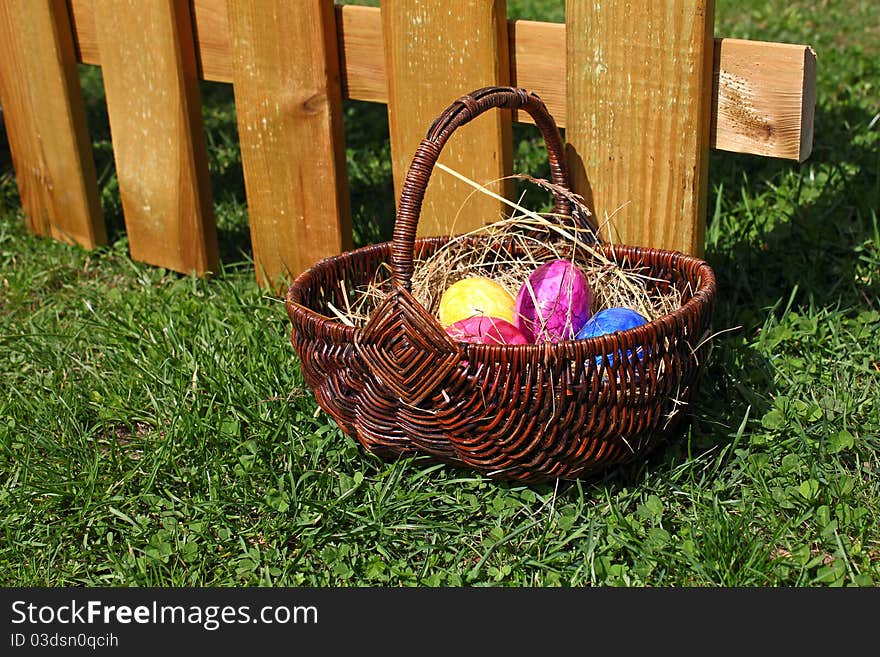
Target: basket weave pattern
{"x": 400, "y": 385}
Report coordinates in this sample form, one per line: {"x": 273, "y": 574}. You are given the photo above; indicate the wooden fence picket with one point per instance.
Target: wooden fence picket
{"x": 435, "y": 52}
{"x": 639, "y": 111}
{"x": 151, "y": 83}
{"x": 46, "y": 123}
{"x": 289, "y": 105}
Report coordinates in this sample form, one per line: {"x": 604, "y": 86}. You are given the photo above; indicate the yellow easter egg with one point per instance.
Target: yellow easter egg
{"x": 475, "y": 296}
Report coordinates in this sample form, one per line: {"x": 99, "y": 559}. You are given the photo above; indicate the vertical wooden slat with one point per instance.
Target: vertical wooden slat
{"x": 436, "y": 52}
{"x": 639, "y": 103}
{"x": 151, "y": 83}
{"x": 46, "y": 123}
{"x": 289, "y": 105}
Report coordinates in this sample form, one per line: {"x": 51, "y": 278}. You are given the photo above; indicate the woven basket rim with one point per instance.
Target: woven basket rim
{"x": 702, "y": 296}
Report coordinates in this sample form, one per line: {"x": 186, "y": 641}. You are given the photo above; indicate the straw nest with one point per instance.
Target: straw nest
{"x": 510, "y": 249}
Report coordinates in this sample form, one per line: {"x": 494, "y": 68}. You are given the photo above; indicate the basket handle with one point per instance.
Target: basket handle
{"x": 456, "y": 115}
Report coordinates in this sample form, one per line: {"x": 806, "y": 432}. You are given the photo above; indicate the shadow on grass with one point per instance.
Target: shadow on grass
{"x": 810, "y": 240}
{"x": 796, "y": 251}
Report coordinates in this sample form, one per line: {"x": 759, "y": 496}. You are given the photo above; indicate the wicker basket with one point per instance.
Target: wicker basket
{"x": 400, "y": 386}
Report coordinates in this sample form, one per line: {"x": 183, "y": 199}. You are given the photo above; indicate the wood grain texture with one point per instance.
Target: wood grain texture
{"x": 151, "y": 84}
{"x": 772, "y": 98}
{"x": 436, "y": 52}
{"x": 639, "y": 108}
{"x": 85, "y": 37}
{"x": 46, "y": 123}
{"x": 213, "y": 39}
{"x": 289, "y": 105}
{"x": 362, "y": 53}
{"x": 537, "y": 63}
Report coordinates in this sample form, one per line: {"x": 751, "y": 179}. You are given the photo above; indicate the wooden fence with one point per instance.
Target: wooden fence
{"x": 642, "y": 87}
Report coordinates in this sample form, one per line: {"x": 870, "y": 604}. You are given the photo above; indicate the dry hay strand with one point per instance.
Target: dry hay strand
{"x": 510, "y": 249}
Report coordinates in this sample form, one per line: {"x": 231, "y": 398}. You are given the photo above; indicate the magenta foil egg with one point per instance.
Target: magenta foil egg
{"x": 554, "y": 302}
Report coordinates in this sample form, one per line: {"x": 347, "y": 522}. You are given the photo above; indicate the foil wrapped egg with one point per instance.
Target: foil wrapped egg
{"x": 486, "y": 330}
{"x": 554, "y": 302}
{"x": 476, "y": 296}
{"x": 608, "y": 321}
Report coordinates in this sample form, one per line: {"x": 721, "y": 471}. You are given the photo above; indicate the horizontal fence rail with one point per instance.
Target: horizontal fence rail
{"x": 291, "y": 64}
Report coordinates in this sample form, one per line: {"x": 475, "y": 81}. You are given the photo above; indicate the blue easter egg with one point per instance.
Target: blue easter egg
{"x": 608, "y": 321}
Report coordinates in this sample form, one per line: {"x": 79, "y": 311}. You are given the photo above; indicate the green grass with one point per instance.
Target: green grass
{"x": 155, "y": 429}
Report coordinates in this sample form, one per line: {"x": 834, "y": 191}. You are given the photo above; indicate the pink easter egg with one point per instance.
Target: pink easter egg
{"x": 554, "y": 302}
{"x": 486, "y": 330}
